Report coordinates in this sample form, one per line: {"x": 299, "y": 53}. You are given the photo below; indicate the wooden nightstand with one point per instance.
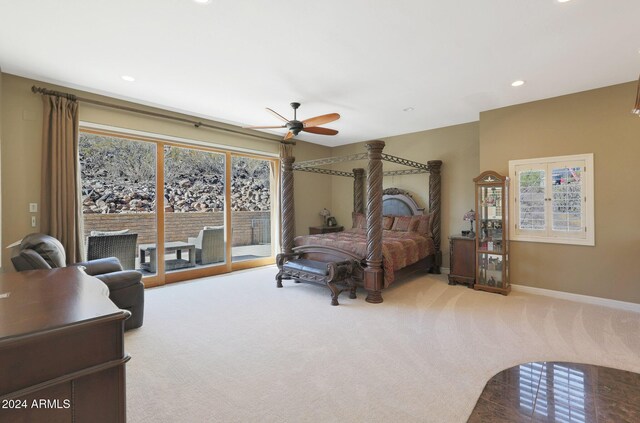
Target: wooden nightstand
{"x": 462, "y": 260}
{"x": 314, "y": 230}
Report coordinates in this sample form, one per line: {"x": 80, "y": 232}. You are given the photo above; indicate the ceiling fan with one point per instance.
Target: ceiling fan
{"x": 294, "y": 126}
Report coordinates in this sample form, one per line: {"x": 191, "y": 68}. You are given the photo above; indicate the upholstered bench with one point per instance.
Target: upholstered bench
{"x": 329, "y": 274}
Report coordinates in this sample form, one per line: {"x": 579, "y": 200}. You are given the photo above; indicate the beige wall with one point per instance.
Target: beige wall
{"x": 312, "y": 192}
{"x": 456, "y": 146}
{"x": 598, "y": 122}
{"x": 21, "y": 135}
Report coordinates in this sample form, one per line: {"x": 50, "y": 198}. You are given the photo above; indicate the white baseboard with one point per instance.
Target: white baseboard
{"x": 622, "y": 305}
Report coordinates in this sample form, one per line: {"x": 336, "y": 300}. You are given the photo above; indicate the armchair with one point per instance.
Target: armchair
{"x": 126, "y": 290}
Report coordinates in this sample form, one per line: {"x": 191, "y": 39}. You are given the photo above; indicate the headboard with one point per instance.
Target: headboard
{"x": 398, "y": 202}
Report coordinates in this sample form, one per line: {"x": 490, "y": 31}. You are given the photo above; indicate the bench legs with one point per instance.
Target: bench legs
{"x": 335, "y": 273}
{"x": 352, "y": 291}
{"x": 335, "y": 291}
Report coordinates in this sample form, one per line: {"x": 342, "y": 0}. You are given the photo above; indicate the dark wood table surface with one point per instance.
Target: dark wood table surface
{"x": 61, "y": 342}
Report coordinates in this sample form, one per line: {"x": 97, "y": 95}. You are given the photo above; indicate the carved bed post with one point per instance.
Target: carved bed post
{"x": 434, "y": 207}
{"x": 286, "y": 201}
{"x": 373, "y": 273}
{"x": 358, "y": 190}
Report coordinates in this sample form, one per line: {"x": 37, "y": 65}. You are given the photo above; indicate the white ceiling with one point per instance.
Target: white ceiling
{"x": 365, "y": 59}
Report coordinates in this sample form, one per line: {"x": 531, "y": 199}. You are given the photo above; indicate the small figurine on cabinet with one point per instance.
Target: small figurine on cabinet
{"x": 491, "y": 282}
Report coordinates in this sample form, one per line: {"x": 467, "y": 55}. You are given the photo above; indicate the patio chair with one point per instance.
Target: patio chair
{"x": 122, "y": 246}
{"x": 209, "y": 245}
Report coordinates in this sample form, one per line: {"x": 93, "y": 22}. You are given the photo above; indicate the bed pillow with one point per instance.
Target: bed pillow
{"x": 359, "y": 221}
{"x": 422, "y": 224}
{"x": 387, "y": 222}
{"x": 401, "y": 223}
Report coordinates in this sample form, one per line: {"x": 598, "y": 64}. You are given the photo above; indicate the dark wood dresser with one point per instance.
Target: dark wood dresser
{"x": 462, "y": 260}
{"x": 314, "y": 230}
{"x": 62, "y": 353}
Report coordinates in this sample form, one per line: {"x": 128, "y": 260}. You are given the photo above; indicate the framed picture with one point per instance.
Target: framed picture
{"x": 331, "y": 221}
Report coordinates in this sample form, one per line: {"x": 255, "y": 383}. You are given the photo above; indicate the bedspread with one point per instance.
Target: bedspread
{"x": 399, "y": 249}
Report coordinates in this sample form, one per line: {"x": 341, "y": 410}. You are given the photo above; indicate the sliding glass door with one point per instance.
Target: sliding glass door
{"x": 175, "y": 211}
{"x": 118, "y": 178}
{"x": 251, "y": 192}
{"x": 194, "y": 208}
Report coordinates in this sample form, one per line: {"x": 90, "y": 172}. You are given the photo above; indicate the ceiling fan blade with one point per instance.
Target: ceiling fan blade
{"x": 278, "y": 115}
{"x": 320, "y": 120}
{"x": 264, "y": 127}
{"x": 288, "y": 136}
{"x": 320, "y": 130}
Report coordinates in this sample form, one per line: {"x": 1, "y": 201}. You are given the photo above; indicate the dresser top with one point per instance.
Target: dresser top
{"x": 43, "y": 300}
{"x": 462, "y": 237}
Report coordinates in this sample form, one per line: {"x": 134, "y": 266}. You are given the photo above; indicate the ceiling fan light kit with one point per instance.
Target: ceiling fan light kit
{"x": 295, "y": 126}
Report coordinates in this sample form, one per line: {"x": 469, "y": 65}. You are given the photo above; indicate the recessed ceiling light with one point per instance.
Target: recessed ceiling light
{"x": 408, "y": 109}
{"x": 202, "y": 1}
{"x": 128, "y": 78}
{"x": 517, "y": 83}
{"x": 563, "y": 1}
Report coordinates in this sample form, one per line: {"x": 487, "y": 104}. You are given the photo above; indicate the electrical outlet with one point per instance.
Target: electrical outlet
{"x": 33, "y": 221}
{"x": 33, "y": 207}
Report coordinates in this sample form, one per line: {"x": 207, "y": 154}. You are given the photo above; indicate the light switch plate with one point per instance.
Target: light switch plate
{"x": 33, "y": 207}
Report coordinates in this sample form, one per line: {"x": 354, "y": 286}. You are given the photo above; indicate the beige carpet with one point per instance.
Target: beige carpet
{"x": 236, "y": 349}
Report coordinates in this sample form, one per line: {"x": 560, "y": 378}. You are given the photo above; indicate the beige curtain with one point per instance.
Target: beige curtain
{"x": 60, "y": 198}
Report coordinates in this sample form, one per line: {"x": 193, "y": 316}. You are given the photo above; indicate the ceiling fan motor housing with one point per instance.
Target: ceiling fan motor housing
{"x": 295, "y": 126}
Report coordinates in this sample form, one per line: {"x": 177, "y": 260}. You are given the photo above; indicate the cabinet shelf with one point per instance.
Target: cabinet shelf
{"x": 491, "y": 252}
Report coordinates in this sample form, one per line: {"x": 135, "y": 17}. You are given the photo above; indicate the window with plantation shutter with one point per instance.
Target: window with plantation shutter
{"x": 553, "y": 200}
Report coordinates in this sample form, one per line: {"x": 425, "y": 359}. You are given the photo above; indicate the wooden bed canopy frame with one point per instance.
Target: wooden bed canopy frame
{"x": 373, "y": 278}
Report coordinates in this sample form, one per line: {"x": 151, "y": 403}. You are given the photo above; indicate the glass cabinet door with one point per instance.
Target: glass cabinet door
{"x": 490, "y": 218}
{"x": 490, "y": 270}
{"x": 492, "y": 245}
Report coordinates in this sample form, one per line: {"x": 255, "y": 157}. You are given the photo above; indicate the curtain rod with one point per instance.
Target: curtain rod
{"x": 197, "y": 124}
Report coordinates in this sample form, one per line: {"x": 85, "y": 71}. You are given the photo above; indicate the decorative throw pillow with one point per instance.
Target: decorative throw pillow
{"x": 401, "y": 223}
{"x": 413, "y": 224}
{"x": 106, "y": 233}
{"x": 387, "y": 222}
{"x": 359, "y": 221}
{"x": 429, "y": 225}
{"x": 421, "y": 224}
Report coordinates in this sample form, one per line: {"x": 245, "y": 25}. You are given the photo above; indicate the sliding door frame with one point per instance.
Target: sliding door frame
{"x": 162, "y": 277}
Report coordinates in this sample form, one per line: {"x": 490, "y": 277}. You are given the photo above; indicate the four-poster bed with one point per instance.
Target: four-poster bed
{"x": 402, "y": 249}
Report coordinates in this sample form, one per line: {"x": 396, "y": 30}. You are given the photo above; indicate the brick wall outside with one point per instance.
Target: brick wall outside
{"x": 249, "y": 228}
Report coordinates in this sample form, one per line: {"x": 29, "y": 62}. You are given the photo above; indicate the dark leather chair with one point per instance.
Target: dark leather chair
{"x": 126, "y": 290}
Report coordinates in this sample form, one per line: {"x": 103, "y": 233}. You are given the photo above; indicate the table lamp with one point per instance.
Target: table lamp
{"x": 470, "y": 216}
{"x": 325, "y": 215}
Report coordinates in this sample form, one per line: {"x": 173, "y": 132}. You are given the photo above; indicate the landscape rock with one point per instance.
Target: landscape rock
{"x": 191, "y": 185}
